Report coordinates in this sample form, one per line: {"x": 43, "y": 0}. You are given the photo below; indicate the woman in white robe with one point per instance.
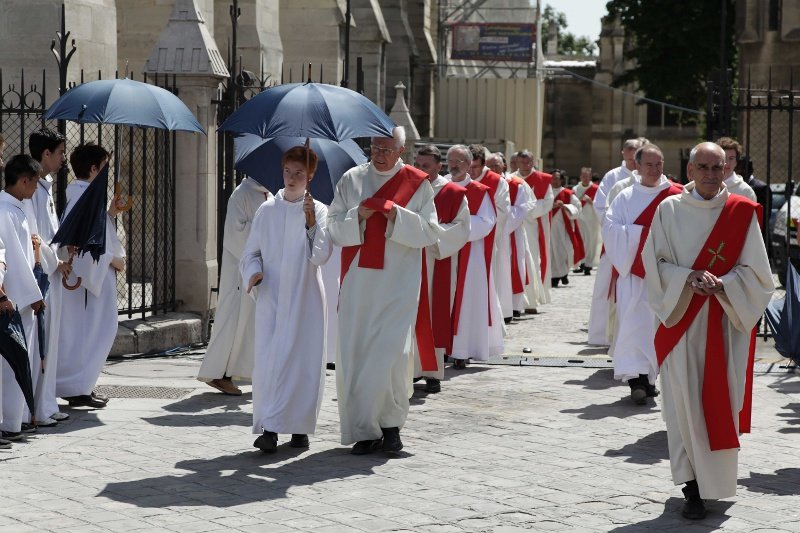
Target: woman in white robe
{"x": 286, "y": 247}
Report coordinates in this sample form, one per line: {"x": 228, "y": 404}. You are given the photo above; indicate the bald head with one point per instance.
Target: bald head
{"x": 706, "y": 168}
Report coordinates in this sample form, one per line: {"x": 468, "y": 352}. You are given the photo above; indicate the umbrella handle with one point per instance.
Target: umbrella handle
{"x": 64, "y": 278}
{"x": 118, "y": 193}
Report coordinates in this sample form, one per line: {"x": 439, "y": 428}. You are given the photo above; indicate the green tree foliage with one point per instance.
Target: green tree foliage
{"x": 676, "y": 44}
{"x": 568, "y": 43}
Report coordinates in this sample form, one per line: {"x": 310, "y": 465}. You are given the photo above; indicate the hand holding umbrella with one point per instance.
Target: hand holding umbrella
{"x": 309, "y": 210}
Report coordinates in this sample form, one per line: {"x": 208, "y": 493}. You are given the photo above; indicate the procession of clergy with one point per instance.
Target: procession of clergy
{"x": 407, "y": 270}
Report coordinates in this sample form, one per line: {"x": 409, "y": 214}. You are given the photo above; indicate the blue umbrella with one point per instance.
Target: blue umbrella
{"x": 781, "y": 314}
{"x": 14, "y": 349}
{"x": 85, "y": 225}
{"x": 315, "y": 110}
{"x": 261, "y": 160}
{"x": 124, "y": 102}
{"x": 43, "y": 280}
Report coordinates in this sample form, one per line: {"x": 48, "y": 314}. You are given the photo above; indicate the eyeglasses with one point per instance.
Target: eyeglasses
{"x": 377, "y": 150}
{"x": 452, "y": 162}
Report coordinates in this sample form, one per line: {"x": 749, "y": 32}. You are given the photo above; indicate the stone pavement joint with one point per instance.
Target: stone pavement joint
{"x": 501, "y": 449}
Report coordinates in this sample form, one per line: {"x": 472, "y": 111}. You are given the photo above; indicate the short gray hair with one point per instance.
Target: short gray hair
{"x": 399, "y": 136}
{"x": 650, "y": 147}
{"x": 634, "y": 143}
{"x": 525, "y": 153}
{"x": 714, "y": 147}
{"x": 463, "y": 149}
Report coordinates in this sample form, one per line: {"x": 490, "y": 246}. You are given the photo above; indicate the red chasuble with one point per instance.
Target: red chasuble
{"x": 397, "y": 191}
{"x": 578, "y": 253}
{"x": 540, "y": 182}
{"x": 718, "y": 255}
{"x": 517, "y": 286}
{"x": 448, "y": 202}
{"x": 475, "y": 193}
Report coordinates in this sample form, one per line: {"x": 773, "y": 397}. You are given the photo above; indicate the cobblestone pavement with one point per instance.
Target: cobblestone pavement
{"x": 503, "y": 448}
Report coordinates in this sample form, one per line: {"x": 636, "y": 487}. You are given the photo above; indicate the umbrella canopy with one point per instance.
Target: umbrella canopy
{"x": 85, "y": 224}
{"x": 781, "y": 314}
{"x": 261, "y": 160}
{"x": 314, "y": 110}
{"x": 14, "y": 350}
{"x": 124, "y": 102}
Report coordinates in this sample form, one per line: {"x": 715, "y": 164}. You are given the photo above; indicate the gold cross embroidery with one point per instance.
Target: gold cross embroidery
{"x": 717, "y": 254}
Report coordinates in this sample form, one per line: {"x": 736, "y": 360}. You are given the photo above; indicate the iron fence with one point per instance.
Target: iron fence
{"x": 147, "y": 173}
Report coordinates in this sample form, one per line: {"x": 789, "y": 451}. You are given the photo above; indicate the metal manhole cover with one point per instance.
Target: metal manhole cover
{"x": 159, "y": 393}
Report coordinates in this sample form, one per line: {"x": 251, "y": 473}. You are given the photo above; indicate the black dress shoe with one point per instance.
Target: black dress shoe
{"x": 459, "y": 364}
{"x": 433, "y": 385}
{"x": 85, "y": 400}
{"x": 587, "y": 271}
{"x": 565, "y": 280}
{"x": 299, "y": 441}
{"x": 12, "y": 436}
{"x": 652, "y": 391}
{"x": 28, "y": 428}
{"x": 267, "y": 442}
{"x": 693, "y": 508}
{"x": 554, "y": 282}
{"x": 507, "y": 319}
{"x": 516, "y": 314}
{"x": 330, "y": 366}
{"x": 364, "y": 447}
{"x": 391, "y": 440}
{"x": 100, "y": 397}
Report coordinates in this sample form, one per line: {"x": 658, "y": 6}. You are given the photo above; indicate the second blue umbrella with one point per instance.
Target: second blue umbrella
{"x": 261, "y": 160}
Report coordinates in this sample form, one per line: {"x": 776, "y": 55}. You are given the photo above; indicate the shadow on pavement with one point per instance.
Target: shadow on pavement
{"x": 253, "y": 478}
{"x": 79, "y": 419}
{"x": 792, "y": 419}
{"x": 784, "y": 482}
{"x": 622, "y": 408}
{"x": 450, "y": 373}
{"x": 648, "y": 450}
{"x": 600, "y": 380}
{"x": 208, "y": 400}
{"x": 672, "y": 520}
{"x": 228, "y": 418}
{"x": 787, "y": 384}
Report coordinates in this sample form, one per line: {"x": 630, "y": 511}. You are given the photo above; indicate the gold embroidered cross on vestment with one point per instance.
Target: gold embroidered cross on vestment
{"x": 717, "y": 254}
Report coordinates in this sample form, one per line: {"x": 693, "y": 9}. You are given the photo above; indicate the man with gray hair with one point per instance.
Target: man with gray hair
{"x": 382, "y": 216}
{"x": 625, "y": 229}
{"x": 601, "y": 312}
{"x": 477, "y": 329}
{"x": 708, "y": 281}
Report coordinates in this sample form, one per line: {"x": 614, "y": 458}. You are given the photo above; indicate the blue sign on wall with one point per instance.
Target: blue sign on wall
{"x": 493, "y": 41}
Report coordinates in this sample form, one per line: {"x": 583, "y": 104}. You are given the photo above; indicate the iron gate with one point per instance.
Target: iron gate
{"x": 147, "y": 168}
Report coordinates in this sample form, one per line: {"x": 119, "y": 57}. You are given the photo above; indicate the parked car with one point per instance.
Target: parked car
{"x": 778, "y": 223}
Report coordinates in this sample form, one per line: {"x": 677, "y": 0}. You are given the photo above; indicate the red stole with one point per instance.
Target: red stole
{"x": 727, "y": 237}
{"x": 398, "y": 190}
{"x": 591, "y": 192}
{"x": 540, "y": 182}
{"x": 517, "y": 286}
{"x": 448, "y": 202}
{"x": 475, "y": 194}
{"x": 578, "y": 253}
{"x": 645, "y": 219}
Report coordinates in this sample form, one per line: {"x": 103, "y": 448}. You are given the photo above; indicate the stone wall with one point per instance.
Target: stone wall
{"x": 140, "y": 22}
{"x": 28, "y": 26}
{"x": 259, "y": 40}
{"x": 312, "y": 32}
